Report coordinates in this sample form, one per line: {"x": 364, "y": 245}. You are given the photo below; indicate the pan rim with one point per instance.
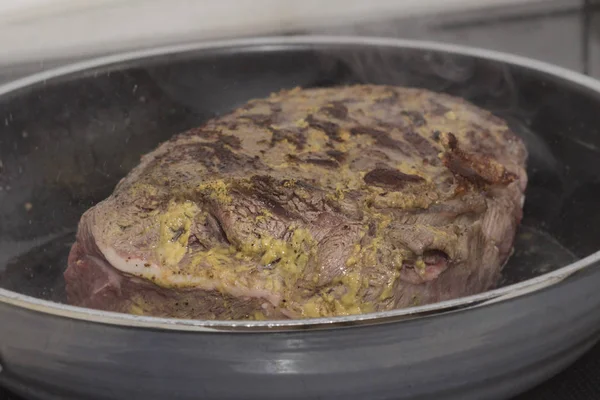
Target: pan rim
{"x": 532, "y": 285}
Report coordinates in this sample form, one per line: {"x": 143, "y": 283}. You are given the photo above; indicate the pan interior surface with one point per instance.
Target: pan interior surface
{"x": 68, "y": 140}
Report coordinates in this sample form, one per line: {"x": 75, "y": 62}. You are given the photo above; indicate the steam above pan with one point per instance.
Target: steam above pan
{"x": 46, "y": 30}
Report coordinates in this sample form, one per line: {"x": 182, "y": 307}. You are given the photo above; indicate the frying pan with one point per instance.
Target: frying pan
{"x": 68, "y": 135}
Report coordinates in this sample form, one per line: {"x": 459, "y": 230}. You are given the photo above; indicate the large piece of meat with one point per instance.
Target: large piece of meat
{"x": 309, "y": 203}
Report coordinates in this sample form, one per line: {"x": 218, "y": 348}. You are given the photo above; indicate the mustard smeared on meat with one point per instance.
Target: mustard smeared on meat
{"x": 175, "y": 224}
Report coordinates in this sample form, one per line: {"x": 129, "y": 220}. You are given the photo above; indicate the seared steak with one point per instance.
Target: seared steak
{"x": 309, "y": 203}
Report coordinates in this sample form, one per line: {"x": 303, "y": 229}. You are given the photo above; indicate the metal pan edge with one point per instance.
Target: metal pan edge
{"x": 274, "y": 43}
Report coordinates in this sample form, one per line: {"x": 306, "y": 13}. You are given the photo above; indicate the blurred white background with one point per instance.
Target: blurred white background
{"x": 37, "y": 34}
{"x": 35, "y": 29}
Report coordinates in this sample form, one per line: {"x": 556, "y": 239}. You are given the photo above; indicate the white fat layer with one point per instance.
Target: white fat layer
{"x": 152, "y": 272}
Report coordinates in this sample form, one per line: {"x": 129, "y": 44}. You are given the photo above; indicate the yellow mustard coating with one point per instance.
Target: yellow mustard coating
{"x": 175, "y": 224}
{"x": 217, "y": 190}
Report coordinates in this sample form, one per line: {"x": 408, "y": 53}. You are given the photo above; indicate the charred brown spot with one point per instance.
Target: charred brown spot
{"x": 451, "y": 142}
{"x": 423, "y": 146}
{"x": 214, "y": 156}
{"x": 230, "y": 140}
{"x": 230, "y": 160}
{"x": 336, "y": 109}
{"x": 329, "y": 128}
{"x": 390, "y": 178}
{"x": 388, "y": 142}
{"x": 390, "y": 126}
{"x": 435, "y": 135}
{"x": 316, "y": 159}
{"x": 382, "y": 138}
{"x": 275, "y": 207}
{"x": 309, "y": 186}
{"x": 416, "y": 117}
{"x": 295, "y": 137}
{"x": 366, "y": 130}
{"x": 372, "y": 229}
{"x": 217, "y": 228}
{"x": 464, "y": 170}
{"x": 322, "y": 162}
{"x": 268, "y": 191}
{"x": 475, "y": 168}
{"x": 193, "y": 239}
{"x": 337, "y": 155}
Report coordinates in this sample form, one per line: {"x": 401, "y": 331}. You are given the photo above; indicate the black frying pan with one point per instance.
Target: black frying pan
{"x": 67, "y": 136}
